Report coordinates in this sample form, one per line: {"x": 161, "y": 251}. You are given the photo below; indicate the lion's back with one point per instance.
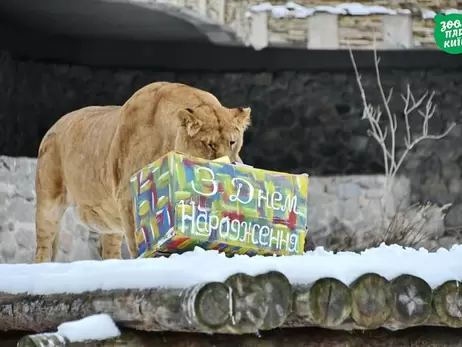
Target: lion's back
{"x": 89, "y": 128}
{"x": 82, "y": 141}
{"x": 161, "y": 99}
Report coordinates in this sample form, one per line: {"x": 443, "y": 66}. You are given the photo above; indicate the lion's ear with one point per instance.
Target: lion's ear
{"x": 191, "y": 123}
{"x": 242, "y": 115}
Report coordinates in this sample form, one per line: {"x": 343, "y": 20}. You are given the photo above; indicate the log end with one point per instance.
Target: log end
{"x": 447, "y": 302}
{"x": 280, "y": 298}
{"x": 213, "y": 305}
{"x": 329, "y": 302}
{"x": 250, "y": 304}
{"x": 372, "y": 300}
{"x": 413, "y": 297}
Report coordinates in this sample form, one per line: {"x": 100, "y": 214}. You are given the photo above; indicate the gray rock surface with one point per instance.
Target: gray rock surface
{"x": 344, "y": 213}
{"x": 352, "y": 213}
{"x": 17, "y": 219}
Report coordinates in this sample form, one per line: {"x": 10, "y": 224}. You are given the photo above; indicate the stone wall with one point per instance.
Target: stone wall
{"x": 288, "y": 22}
{"x": 17, "y": 218}
{"x": 360, "y": 32}
{"x": 302, "y": 121}
{"x": 430, "y": 4}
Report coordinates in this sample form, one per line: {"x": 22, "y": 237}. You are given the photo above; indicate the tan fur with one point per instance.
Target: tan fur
{"x": 87, "y": 157}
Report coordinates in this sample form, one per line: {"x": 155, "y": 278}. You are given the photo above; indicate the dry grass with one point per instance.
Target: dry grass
{"x": 414, "y": 226}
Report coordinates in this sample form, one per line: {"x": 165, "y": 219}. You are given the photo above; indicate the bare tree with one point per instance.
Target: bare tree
{"x": 405, "y": 227}
{"x": 373, "y": 114}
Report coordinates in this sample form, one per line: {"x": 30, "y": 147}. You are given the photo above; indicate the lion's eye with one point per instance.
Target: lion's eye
{"x": 232, "y": 143}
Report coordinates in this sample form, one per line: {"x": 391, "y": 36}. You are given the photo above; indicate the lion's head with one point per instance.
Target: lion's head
{"x": 211, "y": 132}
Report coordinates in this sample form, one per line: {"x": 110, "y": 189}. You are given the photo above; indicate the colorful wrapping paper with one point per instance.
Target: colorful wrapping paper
{"x": 180, "y": 202}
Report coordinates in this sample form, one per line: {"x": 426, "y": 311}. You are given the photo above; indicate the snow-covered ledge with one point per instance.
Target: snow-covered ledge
{"x": 323, "y": 27}
{"x": 388, "y": 286}
{"x": 292, "y": 23}
{"x": 345, "y": 212}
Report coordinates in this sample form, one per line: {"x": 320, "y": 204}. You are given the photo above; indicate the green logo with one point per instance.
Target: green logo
{"x": 448, "y": 32}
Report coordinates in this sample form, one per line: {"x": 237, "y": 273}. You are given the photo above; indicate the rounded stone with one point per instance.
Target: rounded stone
{"x": 454, "y": 216}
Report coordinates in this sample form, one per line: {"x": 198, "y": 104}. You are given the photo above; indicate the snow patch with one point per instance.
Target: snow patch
{"x": 292, "y": 9}
{"x": 92, "y": 328}
{"x": 430, "y": 14}
{"x": 200, "y": 266}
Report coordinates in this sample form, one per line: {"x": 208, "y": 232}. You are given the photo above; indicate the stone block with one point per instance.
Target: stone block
{"x": 17, "y": 217}
{"x": 352, "y": 208}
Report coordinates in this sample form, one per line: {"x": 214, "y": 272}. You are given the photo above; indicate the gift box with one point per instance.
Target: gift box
{"x": 180, "y": 202}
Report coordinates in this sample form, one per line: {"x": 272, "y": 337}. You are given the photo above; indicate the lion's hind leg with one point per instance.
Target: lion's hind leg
{"x": 51, "y": 200}
{"x": 110, "y": 239}
{"x": 111, "y": 245}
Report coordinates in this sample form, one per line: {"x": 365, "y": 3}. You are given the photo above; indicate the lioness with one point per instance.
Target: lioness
{"x": 86, "y": 158}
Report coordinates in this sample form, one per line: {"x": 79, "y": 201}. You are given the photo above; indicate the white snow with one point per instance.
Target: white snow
{"x": 201, "y": 266}
{"x": 430, "y": 14}
{"x": 92, "y": 328}
{"x": 292, "y": 9}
